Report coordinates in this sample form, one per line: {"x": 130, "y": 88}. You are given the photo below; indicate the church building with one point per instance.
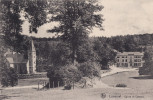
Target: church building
{"x": 20, "y": 63}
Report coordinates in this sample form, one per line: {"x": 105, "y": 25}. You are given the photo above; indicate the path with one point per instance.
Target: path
{"x": 113, "y": 70}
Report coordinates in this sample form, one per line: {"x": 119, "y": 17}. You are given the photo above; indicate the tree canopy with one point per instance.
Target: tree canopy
{"x": 76, "y": 20}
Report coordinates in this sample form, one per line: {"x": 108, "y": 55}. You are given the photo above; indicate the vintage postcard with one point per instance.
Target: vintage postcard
{"x": 76, "y": 50}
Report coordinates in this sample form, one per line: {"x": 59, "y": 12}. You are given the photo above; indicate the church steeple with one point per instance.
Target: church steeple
{"x": 32, "y": 58}
{"x": 32, "y": 46}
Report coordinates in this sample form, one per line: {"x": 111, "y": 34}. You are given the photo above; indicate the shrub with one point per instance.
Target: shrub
{"x": 121, "y": 85}
{"x": 147, "y": 68}
{"x": 65, "y": 74}
{"x": 68, "y": 87}
{"x": 9, "y": 77}
{"x": 89, "y": 69}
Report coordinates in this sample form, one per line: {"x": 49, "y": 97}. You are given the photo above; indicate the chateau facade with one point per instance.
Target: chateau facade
{"x": 129, "y": 59}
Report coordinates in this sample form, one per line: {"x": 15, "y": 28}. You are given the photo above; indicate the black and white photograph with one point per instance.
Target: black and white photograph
{"x": 76, "y": 49}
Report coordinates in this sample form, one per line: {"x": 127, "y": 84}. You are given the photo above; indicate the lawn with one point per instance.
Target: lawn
{"x": 138, "y": 88}
{"x": 131, "y": 79}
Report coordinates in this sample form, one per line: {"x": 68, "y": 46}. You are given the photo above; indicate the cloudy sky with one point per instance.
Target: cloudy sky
{"x": 122, "y": 17}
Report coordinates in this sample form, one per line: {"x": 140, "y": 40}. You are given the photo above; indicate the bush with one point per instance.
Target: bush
{"x": 147, "y": 68}
{"x": 65, "y": 74}
{"x": 68, "y": 87}
{"x": 89, "y": 69}
{"x": 9, "y": 77}
{"x": 121, "y": 85}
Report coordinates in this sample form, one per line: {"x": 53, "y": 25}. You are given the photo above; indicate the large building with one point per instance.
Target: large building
{"x": 129, "y": 59}
{"x": 21, "y": 64}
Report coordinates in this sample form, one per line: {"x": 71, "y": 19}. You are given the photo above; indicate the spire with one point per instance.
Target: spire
{"x": 32, "y": 46}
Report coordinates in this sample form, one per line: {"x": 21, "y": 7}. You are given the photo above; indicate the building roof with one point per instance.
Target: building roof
{"x": 10, "y": 60}
{"x": 13, "y": 58}
{"x": 130, "y": 53}
{"x": 19, "y": 58}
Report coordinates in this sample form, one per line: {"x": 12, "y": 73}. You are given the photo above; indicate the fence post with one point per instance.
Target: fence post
{"x": 73, "y": 84}
{"x": 1, "y": 91}
{"x": 49, "y": 84}
{"x": 85, "y": 83}
{"x": 45, "y": 83}
{"x": 53, "y": 84}
{"x": 58, "y": 84}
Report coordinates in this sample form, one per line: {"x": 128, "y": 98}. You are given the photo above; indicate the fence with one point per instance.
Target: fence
{"x": 56, "y": 84}
{"x": 27, "y": 76}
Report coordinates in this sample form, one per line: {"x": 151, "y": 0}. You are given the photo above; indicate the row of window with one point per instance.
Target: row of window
{"x": 137, "y": 56}
{"x": 126, "y": 56}
{"x": 125, "y": 60}
{"x": 137, "y": 60}
{"x": 122, "y": 56}
{"x": 137, "y": 64}
{"x": 126, "y": 64}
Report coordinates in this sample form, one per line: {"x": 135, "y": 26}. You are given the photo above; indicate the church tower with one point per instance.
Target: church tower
{"x": 31, "y": 69}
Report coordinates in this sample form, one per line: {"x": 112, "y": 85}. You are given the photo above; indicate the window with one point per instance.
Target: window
{"x": 122, "y": 60}
{"x": 125, "y": 60}
{"x": 135, "y": 64}
{"x": 139, "y": 60}
{"x": 118, "y": 64}
{"x": 122, "y": 64}
{"x": 139, "y": 64}
{"x": 139, "y": 56}
{"x": 122, "y": 56}
{"x": 126, "y": 64}
{"x": 118, "y": 57}
{"x": 118, "y": 60}
{"x": 135, "y": 60}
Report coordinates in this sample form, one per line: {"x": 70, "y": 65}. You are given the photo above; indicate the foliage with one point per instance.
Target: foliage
{"x": 121, "y": 85}
{"x": 76, "y": 19}
{"x": 8, "y": 76}
{"x": 147, "y": 68}
{"x": 129, "y": 43}
{"x": 12, "y": 19}
{"x": 12, "y": 25}
{"x": 36, "y": 13}
{"x": 105, "y": 53}
{"x": 86, "y": 53}
{"x": 65, "y": 74}
{"x": 60, "y": 55}
{"x": 89, "y": 69}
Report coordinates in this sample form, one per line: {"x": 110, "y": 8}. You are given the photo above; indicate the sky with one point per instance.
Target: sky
{"x": 122, "y": 17}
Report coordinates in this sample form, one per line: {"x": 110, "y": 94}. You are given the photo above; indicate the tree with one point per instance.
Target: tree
{"x": 77, "y": 19}
{"x": 12, "y": 25}
{"x": 105, "y": 54}
{"x": 60, "y": 55}
{"x": 36, "y": 13}
{"x": 147, "y": 68}
{"x": 11, "y": 11}
{"x": 8, "y": 77}
{"x": 85, "y": 53}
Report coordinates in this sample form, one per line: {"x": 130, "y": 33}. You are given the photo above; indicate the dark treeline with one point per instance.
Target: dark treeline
{"x": 128, "y": 43}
